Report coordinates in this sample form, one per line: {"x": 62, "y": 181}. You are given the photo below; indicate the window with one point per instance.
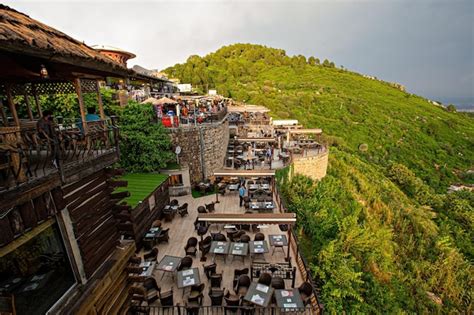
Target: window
{"x": 37, "y": 273}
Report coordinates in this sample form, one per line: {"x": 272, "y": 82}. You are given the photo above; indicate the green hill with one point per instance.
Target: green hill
{"x": 380, "y": 231}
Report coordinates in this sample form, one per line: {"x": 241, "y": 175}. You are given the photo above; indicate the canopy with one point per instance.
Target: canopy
{"x": 165, "y": 100}
{"x": 151, "y": 100}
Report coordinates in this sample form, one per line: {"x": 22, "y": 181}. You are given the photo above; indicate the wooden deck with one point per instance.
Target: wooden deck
{"x": 183, "y": 228}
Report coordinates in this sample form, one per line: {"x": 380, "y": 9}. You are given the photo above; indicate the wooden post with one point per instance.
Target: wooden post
{"x": 99, "y": 101}
{"x": 289, "y": 243}
{"x": 12, "y": 105}
{"x": 28, "y": 107}
{"x": 2, "y": 113}
{"x": 77, "y": 85}
{"x": 37, "y": 103}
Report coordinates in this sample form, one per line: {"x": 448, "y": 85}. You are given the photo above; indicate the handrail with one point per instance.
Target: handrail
{"x": 27, "y": 154}
{"x": 211, "y": 310}
{"x": 296, "y": 247}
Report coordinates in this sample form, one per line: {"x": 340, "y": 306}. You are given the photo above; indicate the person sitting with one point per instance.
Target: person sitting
{"x": 44, "y": 126}
{"x": 91, "y": 115}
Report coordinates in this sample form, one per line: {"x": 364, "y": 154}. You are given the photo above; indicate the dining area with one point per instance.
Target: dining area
{"x": 211, "y": 268}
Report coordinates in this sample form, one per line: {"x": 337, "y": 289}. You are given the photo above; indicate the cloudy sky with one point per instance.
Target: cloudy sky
{"x": 426, "y": 45}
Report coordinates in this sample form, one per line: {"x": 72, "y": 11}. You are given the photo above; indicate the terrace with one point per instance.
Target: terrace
{"x": 217, "y": 239}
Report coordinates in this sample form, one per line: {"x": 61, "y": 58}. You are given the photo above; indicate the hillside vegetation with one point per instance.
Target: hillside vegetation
{"x": 380, "y": 231}
{"x": 436, "y": 144}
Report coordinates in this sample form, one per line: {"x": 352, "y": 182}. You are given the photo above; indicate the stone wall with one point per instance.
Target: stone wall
{"x": 314, "y": 167}
{"x": 203, "y": 148}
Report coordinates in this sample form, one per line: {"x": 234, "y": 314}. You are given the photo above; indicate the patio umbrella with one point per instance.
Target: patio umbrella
{"x": 151, "y": 100}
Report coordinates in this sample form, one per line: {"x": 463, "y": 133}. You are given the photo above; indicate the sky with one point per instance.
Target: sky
{"x": 428, "y": 46}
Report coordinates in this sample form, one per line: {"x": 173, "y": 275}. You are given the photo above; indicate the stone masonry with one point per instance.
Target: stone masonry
{"x": 314, "y": 167}
{"x": 203, "y": 148}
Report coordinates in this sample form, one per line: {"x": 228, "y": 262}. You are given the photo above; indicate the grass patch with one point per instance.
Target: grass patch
{"x": 140, "y": 185}
{"x": 197, "y": 194}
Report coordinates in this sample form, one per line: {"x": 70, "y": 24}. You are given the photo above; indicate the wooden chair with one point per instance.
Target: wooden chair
{"x": 238, "y": 273}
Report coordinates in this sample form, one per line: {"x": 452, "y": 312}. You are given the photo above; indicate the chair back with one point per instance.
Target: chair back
{"x": 265, "y": 278}
{"x": 216, "y": 296}
{"x": 216, "y": 280}
{"x": 209, "y": 270}
{"x": 259, "y": 237}
{"x": 166, "y": 298}
{"x": 186, "y": 263}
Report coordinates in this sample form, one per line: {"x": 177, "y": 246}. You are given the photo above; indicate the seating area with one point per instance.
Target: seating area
{"x": 215, "y": 265}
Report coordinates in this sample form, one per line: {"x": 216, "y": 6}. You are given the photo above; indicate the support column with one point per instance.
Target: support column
{"x": 77, "y": 85}
{"x": 28, "y": 107}
{"x": 11, "y": 104}
{"x": 37, "y": 102}
{"x": 289, "y": 243}
{"x": 99, "y": 101}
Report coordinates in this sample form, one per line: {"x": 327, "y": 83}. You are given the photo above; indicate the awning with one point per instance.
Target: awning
{"x": 248, "y": 218}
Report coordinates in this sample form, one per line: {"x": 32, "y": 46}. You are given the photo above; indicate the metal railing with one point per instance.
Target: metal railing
{"x": 213, "y": 310}
{"x": 303, "y": 264}
{"x": 27, "y": 154}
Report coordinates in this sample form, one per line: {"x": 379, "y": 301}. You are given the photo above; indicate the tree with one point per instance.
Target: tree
{"x": 451, "y": 108}
{"x": 312, "y": 61}
{"x": 145, "y": 145}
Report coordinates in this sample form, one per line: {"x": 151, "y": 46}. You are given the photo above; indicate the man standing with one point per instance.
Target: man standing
{"x": 242, "y": 192}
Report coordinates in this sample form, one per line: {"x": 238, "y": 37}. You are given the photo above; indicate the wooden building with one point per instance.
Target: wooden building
{"x": 60, "y": 247}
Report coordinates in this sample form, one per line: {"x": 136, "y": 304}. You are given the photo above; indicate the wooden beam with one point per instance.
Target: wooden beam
{"x": 11, "y": 104}
{"x": 28, "y": 107}
{"x": 77, "y": 85}
{"x": 25, "y": 237}
{"x": 248, "y": 218}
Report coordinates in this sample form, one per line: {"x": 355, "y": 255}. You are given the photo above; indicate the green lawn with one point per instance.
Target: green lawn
{"x": 140, "y": 185}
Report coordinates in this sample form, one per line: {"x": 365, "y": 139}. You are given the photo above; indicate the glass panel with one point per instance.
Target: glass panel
{"x": 37, "y": 273}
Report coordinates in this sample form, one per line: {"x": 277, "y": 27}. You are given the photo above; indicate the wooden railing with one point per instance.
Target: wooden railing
{"x": 27, "y": 155}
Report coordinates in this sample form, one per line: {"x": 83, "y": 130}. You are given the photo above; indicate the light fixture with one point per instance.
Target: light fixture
{"x": 44, "y": 72}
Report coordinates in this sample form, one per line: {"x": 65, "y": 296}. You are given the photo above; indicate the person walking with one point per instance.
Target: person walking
{"x": 242, "y": 192}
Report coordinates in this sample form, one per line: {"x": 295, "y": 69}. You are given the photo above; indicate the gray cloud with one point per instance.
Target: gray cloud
{"x": 426, "y": 45}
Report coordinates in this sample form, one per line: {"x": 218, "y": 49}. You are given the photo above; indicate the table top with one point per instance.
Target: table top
{"x": 261, "y": 205}
{"x": 169, "y": 263}
{"x": 221, "y": 248}
{"x": 148, "y": 267}
{"x": 259, "y": 294}
{"x": 278, "y": 240}
{"x": 188, "y": 277}
{"x": 289, "y": 299}
{"x": 258, "y": 247}
{"x": 152, "y": 233}
{"x": 239, "y": 249}
{"x": 171, "y": 207}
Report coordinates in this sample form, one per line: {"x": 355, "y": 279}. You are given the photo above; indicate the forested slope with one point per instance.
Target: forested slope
{"x": 380, "y": 230}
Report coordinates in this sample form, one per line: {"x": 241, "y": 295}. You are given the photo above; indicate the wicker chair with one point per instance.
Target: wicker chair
{"x": 265, "y": 278}
{"x": 216, "y": 296}
{"x": 210, "y": 207}
{"x": 306, "y": 291}
{"x": 186, "y": 263}
{"x": 205, "y": 246}
{"x": 183, "y": 210}
{"x": 191, "y": 246}
{"x": 151, "y": 255}
{"x": 243, "y": 284}
{"x": 163, "y": 236}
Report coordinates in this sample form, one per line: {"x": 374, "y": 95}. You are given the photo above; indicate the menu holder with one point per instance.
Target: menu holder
{"x": 258, "y": 243}
{"x": 188, "y": 281}
{"x": 257, "y": 299}
{"x": 188, "y": 272}
{"x": 259, "y": 250}
{"x": 286, "y": 293}
{"x": 168, "y": 268}
{"x": 236, "y": 252}
{"x": 262, "y": 288}
{"x": 219, "y": 250}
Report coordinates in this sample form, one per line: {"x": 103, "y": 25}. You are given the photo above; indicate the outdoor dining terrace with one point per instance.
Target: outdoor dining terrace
{"x": 219, "y": 258}
{"x": 28, "y": 155}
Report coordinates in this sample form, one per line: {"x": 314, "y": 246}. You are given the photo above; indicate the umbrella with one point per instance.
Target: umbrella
{"x": 151, "y": 100}
{"x": 165, "y": 100}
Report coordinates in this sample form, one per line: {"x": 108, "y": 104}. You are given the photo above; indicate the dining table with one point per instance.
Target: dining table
{"x": 259, "y": 294}
{"x": 289, "y": 300}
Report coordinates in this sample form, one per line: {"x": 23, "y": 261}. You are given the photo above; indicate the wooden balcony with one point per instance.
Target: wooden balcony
{"x": 28, "y": 159}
